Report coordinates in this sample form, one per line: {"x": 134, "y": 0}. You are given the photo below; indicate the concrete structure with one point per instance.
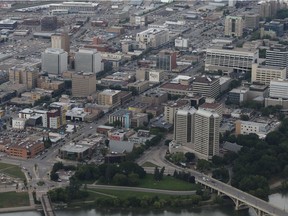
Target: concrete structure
{"x": 88, "y": 60}
{"x": 123, "y": 116}
{"x": 109, "y": 97}
{"x": 61, "y": 41}
{"x": 279, "y": 89}
{"x": 252, "y": 21}
{"x": 206, "y": 86}
{"x": 238, "y": 95}
{"x": 75, "y": 7}
{"x": 76, "y": 114}
{"x": 25, "y": 148}
{"x": 152, "y": 37}
{"x": 18, "y": 123}
{"x": 154, "y": 97}
{"x": 74, "y": 152}
{"x": 8, "y": 24}
{"x": 83, "y": 84}
{"x": 233, "y": 26}
{"x": 213, "y": 107}
{"x": 166, "y": 60}
{"x": 54, "y": 61}
{"x": 276, "y": 27}
{"x": 230, "y": 58}
{"x": 247, "y": 127}
{"x": 184, "y": 127}
{"x": 264, "y": 74}
{"x": 206, "y": 134}
{"x": 24, "y": 74}
{"x": 181, "y": 43}
{"x": 176, "y": 88}
{"x": 171, "y": 108}
{"x": 140, "y": 86}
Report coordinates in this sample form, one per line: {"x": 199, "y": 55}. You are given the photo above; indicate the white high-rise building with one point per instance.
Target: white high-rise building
{"x": 206, "y": 134}
{"x": 88, "y": 60}
{"x": 54, "y": 61}
{"x": 279, "y": 89}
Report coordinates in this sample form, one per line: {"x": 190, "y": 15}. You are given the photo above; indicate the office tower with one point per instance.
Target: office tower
{"x": 264, "y": 73}
{"x": 166, "y": 60}
{"x": 54, "y": 61}
{"x": 207, "y": 125}
{"x": 109, "y": 97}
{"x": 184, "y": 126}
{"x": 233, "y": 26}
{"x": 88, "y": 60}
{"x": 206, "y": 86}
{"x": 252, "y": 21}
{"x": 61, "y": 41}
{"x": 277, "y": 56}
{"x": 83, "y": 84}
{"x": 24, "y": 74}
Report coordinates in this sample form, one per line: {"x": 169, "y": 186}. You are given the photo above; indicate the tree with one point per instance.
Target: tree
{"x": 178, "y": 157}
{"x": 107, "y": 143}
{"x": 120, "y": 179}
{"x": 156, "y": 174}
{"x": 203, "y": 165}
{"x": 274, "y": 138}
{"x": 217, "y": 160}
{"x": 244, "y": 117}
{"x": 189, "y": 156}
{"x": 161, "y": 173}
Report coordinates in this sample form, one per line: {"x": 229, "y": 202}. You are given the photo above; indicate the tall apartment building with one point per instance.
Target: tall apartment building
{"x": 264, "y": 74}
{"x": 109, "y": 97}
{"x": 206, "y": 86}
{"x": 184, "y": 126}
{"x": 252, "y": 21}
{"x": 61, "y": 41}
{"x": 277, "y": 56}
{"x": 54, "y": 61}
{"x": 24, "y": 74}
{"x": 206, "y": 134}
{"x": 233, "y": 26}
{"x": 166, "y": 60}
{"x": 268, "y": 8}
{"x": 230, "y": 58}
{"x": 279, "y": 89}
{"x": 172, "y": 107}
{"x": 83, "y": 84}
{"x": 88, "y": 60}
{"x": 152, "y": 37}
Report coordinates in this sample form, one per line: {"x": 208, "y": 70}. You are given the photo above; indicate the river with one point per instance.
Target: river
{"x": 280, "y": 200}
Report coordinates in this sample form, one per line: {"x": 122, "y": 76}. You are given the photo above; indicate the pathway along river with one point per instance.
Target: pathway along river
{"x": 280, "y": 200}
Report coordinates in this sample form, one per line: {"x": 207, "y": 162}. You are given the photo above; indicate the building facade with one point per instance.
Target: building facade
{"x": 233, "y": 26}
{"x": 206, "y": 86}
{"x": 54, "y": 61}
{"x": 61, "y": 41}
{"x": 88, "y": 60}
{"x": 264, "y": 74}
{"x": 83, "y": 84}
{"x": 152, "y": 37}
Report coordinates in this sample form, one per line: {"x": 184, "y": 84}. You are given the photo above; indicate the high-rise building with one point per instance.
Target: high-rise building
{"x": 166, "y": 60}
{"x": 109, "y": 97}
{"x": 24, "y": 74}
{"x": 83, "y": 84}
{"x": 206, "y": 86}
{"x": 207, "y": 125}
{"x": 54, "y": 61}
{"x": 233, "y": 26}
{"x": 88, "y": 60}
{"x": 61, "y": 41}
{"x": 252, "y": 21}
{"x": 152, "y": 37}
{"x": 264, "y": 74}
{"x": 184, "y": 126}
{"x": 171, "y": 108}
{"x": 277, "y": 56}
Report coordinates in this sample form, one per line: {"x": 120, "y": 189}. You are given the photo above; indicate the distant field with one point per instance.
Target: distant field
{"x": 12, "y": 170}
{"x": 14, "y": 199}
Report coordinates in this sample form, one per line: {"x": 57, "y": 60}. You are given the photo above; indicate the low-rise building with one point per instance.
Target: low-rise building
{"x": 176, "y": 88}
{"x": 18, "y": 123}
{"x": 264, "y": 74}
{"x": 154, "y": 97}
{"x": 140, "y": 86}
{"x": 139, "y": 120}
{"x": 25, "y": 149}
{"x": 247, "y": 127}
{"x": 109, "y": 97}
{"x": 122, "y": 116}
{"x": 238, "y": 95}
{"x": 76, "y": 114}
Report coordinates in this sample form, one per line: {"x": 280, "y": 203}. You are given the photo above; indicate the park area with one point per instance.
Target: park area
{"x": 12, "y": 171}
{"x": 14, "y": 199}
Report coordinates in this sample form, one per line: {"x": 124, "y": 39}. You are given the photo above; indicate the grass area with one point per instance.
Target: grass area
{"x": 12, "y": 170}
{"x": 167, "y": 183}
{"x": 122, "y": 194}
{"x": 149, "y": 164}
{"x": 14, "y": 199}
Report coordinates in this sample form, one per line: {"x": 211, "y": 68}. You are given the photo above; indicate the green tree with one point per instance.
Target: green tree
{"x": 120, "y": 179}
{"x": 244, "y": 117}
{"x": 156, "y": 174}
{"x": 189, "y": 156}
{"x": 203, "y": 165}
{"x": 178, "y": 157}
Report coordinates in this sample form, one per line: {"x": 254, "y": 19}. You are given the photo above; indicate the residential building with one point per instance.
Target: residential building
{"x": 83, "y": 84}
{"x": 88, "y": 60}
{"x": 61, "y": 41}
{"x": 152, "y": 37}
{"x": 184, "y": 127}
{"x": 264, "y": 73}
{"x": 206, "y": 86}
{"x": 229, "y": 58}
{"x": 109, "y": 97}
{"x": 24, "y": 74}
{"x": 233, "y": 26}
{"x": 206, "y": 134}
{"x": 166, "y": 60}
{"x": 54, "y": 61}
{"x": 171, "y": 108}
{"x": 252, "y": 21}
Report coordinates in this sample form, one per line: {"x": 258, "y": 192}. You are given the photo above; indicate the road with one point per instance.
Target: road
{"x": 139, "y": 189}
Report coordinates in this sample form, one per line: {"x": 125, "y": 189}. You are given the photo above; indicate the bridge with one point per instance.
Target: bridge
{"x": 47, "y": 205}
{"x": 241, "y": 199}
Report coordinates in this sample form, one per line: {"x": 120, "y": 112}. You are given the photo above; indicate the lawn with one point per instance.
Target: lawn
{"x": 14, "y": 199}
{"x": 12, "y": 170}
{"x": 149, "y": 164}
{"x": 167, "y": 183}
